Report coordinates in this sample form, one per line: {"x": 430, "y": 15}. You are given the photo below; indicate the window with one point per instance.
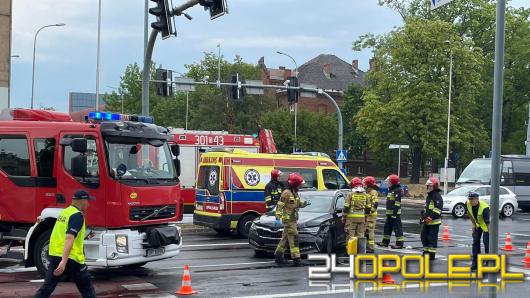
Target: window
{"x": 310, "y": 176}
{"x": 92, "y": 159}
{"x": 507, "y": 173}
{"x": 340, "y": 202}
{"x": 483, "y": 191}
{"x": 208, "y": 179}
{"x": 333, "y": 179}
{"x": 45, "y": 155}
{"x": 503, "y": 191}
{"x": 14, "y": 155}
{"x": 522, "y": 172}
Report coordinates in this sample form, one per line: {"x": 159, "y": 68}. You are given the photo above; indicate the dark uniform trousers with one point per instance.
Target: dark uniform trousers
{"x": 393, "y": 224}
{"x": 476, "y": 244}
{"x": 78, "y": 272}
{"x": 429, "y": 239}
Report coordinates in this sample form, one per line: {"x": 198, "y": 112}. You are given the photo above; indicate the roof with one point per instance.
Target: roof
{"x": 342, "y": 73}
{"x": 238, "y": 153}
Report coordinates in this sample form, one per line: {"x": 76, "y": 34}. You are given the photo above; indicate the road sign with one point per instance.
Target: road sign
{"x": 254, "y": 90}
{"x": 342, "y": 155}
{"x": 184, "y": 84}
{"x": 308, "y": 94}
{"x": 394, "y": 146}
{"x": 437, "y": 3}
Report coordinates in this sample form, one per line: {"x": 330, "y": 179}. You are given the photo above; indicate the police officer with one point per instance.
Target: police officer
{"x": 287, "y": 212}
{"x": 479, "y": 213}
{"x": 371, "y": 211}
{"x": 393, "y": 214}
{"x": 431, "y": 218}
{"x": 273, "y": 189}
{"x": 354, "y": 212}
{"x": 66, "y": 249}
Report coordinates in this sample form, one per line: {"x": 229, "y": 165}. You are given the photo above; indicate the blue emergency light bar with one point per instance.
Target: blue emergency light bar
{"x": 104, "y": 116}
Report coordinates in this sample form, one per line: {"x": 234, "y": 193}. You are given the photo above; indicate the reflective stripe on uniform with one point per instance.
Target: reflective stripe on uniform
{"x": 435, "y": 222}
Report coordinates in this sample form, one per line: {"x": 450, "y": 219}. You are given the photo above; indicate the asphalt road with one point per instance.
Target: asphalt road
{"x": 224, "y": 266}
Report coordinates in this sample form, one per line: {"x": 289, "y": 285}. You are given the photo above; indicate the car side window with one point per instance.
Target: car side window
{"x": 14, "y": 155}
{"x": 340, "y": 202}
{"x": 482, "y": 191}
{"x": 333, "y": 179}
{"x": 503, "y": 191}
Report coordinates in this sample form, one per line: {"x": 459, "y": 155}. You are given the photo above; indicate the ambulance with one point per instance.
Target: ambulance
{"x": 230, "y": 184}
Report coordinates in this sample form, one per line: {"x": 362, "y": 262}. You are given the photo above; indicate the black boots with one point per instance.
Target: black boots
{"x": 278, "y": 258}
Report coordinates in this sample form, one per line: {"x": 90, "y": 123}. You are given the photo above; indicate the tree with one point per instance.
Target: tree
{"x": 353, "y": 140}
{"x": 315, "y": 131}
{"x": 406, "y": 96}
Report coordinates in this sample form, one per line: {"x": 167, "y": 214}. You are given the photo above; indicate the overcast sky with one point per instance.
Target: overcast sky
{"x": 66, "y": 56}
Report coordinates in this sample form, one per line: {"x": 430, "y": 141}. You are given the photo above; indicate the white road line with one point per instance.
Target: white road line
{"x": 18, "y": 269}
{"x": 215, "y": 244}
{"x": 140, "y": 287}
{"x": 522, "y": 235}
{"x": 37, "y": 280}
{"x": 216, "y": 265}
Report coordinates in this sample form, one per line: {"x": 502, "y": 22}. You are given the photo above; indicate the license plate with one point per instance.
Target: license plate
{"x": 153, "y": 252}
{"x": 198, "y": 207}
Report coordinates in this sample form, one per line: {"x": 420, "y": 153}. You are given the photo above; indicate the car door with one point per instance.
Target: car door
{"x": 340, "y": 236}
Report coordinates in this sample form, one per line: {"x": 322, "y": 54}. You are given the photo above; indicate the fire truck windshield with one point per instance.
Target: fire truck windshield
{"x": 148, "y": 163}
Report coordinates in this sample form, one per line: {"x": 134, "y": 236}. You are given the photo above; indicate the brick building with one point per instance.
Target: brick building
{"x": 5, "y": 51}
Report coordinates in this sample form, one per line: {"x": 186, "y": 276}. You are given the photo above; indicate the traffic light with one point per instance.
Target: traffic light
{"x": 217, "y": 7}
{"x": 292, "y": 94}
{"x": 164, "y": 21}
{"x": 236, "y": 92}
{"x": 164, "y": 88}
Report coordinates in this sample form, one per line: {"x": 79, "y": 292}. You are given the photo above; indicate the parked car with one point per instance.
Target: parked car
{"x": 320, "y": 228}
{"x": 455, "y": 201}
{"x": 383, "y": 188}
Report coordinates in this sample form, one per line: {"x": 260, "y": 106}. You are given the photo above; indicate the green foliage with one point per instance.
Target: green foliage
{"x": 406, "y": 98}
{"x": 315, "y": 131}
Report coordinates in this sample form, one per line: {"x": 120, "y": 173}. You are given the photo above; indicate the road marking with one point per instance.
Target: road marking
{"x": 37, "y": 280}
{"x": 18, "y": 269}
{"x": 158, "y": 296}
{"x": 215, "y": 244}
{"x": 522, "y": 235}
{"x": 140, "y": 286}
{"x": 216, "y": 265}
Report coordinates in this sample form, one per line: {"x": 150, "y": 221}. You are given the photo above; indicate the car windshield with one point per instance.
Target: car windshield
{"x": 478, "y": 171}
{"x": 319, "y": 203}
{"x": 141, "y": 161}
{"x": 461, "y": 191}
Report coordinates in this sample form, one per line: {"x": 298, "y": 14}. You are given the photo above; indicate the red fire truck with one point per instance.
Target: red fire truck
{"x": 193, "y": 143}
{"x": 124, "y": 161}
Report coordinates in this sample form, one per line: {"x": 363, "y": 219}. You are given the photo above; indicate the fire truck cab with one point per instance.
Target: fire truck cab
{"x": 124, "y": 161}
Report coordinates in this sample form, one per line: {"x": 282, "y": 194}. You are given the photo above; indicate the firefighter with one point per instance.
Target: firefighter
{"x": 273, "y": 189}
{"x": 66, "y": 249}
{"x": 431, "y": 218}
{"x": 479, "y": 213}
{"x": 287, "y": 212}
{"x": 354, "y": 212}
{"x": 371, "y": 211}
{"x": 393, "y": 214}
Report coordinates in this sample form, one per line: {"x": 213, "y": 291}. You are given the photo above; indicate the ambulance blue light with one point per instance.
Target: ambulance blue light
{"x": 104, "y": 116}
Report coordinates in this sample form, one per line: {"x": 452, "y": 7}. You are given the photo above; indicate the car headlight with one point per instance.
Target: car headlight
{"x": 121, "y": 243}
{"x": 447, "y": 202}
{"x": 310, "y": 230}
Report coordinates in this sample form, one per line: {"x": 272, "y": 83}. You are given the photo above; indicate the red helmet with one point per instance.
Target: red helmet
{"x": 295, "y": 180}
{"x": 393, "y": 179}
{"x": 275, "y": 174}
{"x": 356, "y": 182}
{"x": 369, "y": 181}
{"x": 432, "y": 181}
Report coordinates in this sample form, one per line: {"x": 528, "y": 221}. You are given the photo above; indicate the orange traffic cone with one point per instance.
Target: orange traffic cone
{"x": 526, "y": 259}
{"x": 387, "y": 278}
{"x": 186, "y": 289}
{"x": 446, "y": 235}
{"x": 508, "y": 243}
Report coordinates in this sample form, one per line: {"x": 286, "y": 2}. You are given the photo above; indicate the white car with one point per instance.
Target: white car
{"x": 455, "y": 201}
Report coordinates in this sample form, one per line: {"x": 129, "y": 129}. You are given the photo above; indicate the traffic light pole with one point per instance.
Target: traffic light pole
{"x": 149, "y": 53}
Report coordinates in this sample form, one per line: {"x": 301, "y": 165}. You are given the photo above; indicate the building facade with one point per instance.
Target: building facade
{"x": 5, "y": 51}
{"x": 79, "y": 101}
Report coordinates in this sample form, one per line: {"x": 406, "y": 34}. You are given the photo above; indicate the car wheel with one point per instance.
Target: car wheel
{"x": 328, "y": 243}
{"x": 243, "y": 227}
{"x": 507, "y": 210}
{"x": 40, "y": 252}
{"x": 459, "y": 210}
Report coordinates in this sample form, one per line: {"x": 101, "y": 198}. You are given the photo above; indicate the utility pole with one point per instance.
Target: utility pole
{"x": 97, "y": 56}
{"x": 446, "y": 164}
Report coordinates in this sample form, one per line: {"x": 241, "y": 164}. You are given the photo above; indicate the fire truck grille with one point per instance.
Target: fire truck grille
{"x": 137, "y": 213}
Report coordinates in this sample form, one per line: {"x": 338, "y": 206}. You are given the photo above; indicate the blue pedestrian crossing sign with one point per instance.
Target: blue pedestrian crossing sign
{"x": 342, "y": 155}
{"x": 437, "y": 3}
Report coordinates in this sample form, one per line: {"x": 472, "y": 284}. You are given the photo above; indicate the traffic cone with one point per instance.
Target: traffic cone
{"x": 446, "y": 235}
{"x": 526, "y": 259}
{"x": 186, "y": 289}
{"x": 508, "y": 243}
{"x": 387, "y": 278}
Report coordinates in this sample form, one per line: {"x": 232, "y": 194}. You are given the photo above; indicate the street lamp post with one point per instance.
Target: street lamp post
{"x": 34, "y": 50}
{"x": 446, "y": 164}
{"x": 295, "y": 104}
